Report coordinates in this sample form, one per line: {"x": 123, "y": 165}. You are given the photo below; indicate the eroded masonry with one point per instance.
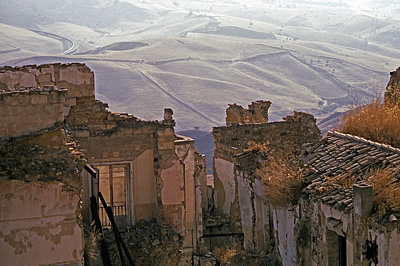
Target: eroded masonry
{"x": 331, "y": 215}
{"x": 60, "y": 146}
{"x": 282, "y": 192}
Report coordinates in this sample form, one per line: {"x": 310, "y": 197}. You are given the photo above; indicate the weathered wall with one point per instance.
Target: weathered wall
{"x": 145, "y": 205}
{"x": 240, "y": 194}
{"x": 392, "y": 94}
{"x": 40, "y": 210}
{"x": 326, "y": 224}
{"x": 30, "y": 110}
{"x": 204, "y": 189}
{"x": 39, "y": 96}
{"x": 77, "y": 78}
{"x": 39, "y": 224}
{"x": 109, "y": 138}
{"x": 295, "y": 131}
{"x": 224, "y": 184}
{"x": 283, "y": 221}
{"x": 246, "y": 197}
{"x": 157, "y": 173}
{"x": 257, "y": 113}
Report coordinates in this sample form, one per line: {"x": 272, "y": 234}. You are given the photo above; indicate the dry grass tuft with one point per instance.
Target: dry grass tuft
{"x": 228, "y": 254}
{"x": 342, "y": 181}
{"x": 281, "y": 177}
{"x": 386, "y": 192}
{"x": 259, "y": 147}
{"x": 375, "y": 121}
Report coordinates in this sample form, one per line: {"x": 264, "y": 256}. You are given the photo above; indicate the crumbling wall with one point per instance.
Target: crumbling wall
{"x": 30, "y": 110}
{"x": 181, "y": 196}
{"x": 257, "y": 113}
{"x": 77, "y": 78}
{"x": 148, "y": 147}
{"x": 366, "y": 240}
{"x": 392, "y": 94}
{"x": 295, "y": 131}
{"x": 36, "y": 97}
{"x": 155, "y": 166}
{"x": 40, "y": 221}
{"x": 201, "y": 175}
{"x": 239, "y": 193}
{"x": 39, "y": 224}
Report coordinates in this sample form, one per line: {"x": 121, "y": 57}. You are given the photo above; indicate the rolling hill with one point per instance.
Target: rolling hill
{"x": 196, "y": 57}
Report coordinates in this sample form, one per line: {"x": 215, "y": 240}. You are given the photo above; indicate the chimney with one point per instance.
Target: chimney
{"x": 168, "y": 119}
{"x": 362, "y": 199}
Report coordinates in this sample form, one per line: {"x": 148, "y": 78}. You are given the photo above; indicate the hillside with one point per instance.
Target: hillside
{"x": 196, "y": 57}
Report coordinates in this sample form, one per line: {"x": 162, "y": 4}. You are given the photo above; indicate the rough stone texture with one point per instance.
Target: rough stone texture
{"x": 392, "y": 94}
{"x": 158, "y": 169}
{"x": 331, "y": 206}
{"x": 345, "y": 155}
{"x": 239, "y": 194}
{"x": 30, "y": 110}
{"x": 295, "y": 131}
{"x": 257, "y": 113}
{"x": 40, "y": 194}
{"x": 77, "y": 78}
{"x": 149, "y": 243}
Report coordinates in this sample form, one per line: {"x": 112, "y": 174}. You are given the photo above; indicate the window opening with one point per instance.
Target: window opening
{"x": 112, "y": 184}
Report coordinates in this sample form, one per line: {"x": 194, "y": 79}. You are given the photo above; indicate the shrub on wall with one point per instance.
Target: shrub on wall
{"x": 281, "y": 177}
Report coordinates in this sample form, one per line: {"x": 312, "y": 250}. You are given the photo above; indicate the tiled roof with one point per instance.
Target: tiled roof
{"x": 348, "y": 157}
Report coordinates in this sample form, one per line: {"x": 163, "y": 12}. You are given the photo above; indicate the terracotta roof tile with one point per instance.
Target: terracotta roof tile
{"x": 348, "y": 155}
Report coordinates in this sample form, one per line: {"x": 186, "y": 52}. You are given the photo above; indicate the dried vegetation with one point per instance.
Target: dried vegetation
{"x": 385, "y": 184}
{"x": 386, "y": 192}
{"x": 234, "y": 255}
{"x": 281, "y": 176}
{"x": 378, "y": 122}
{"x": 375, "y": 121}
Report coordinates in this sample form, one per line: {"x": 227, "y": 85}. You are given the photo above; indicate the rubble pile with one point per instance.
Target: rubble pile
{"x": 149, "y": 243}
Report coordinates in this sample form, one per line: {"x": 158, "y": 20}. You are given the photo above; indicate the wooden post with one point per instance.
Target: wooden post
{"x": 95, "y": 216}
{"x": 118, "y": 236}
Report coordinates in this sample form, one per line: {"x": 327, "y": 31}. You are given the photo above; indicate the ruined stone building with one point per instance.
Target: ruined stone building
{"x": 332, "y": 221}
{"x": 59, "y": 146}
{"x": 335, "y": 222}
{"x": 239, "y": 195}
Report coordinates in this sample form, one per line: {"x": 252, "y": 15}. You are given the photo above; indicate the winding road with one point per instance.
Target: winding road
{"x": 70, "y": 47}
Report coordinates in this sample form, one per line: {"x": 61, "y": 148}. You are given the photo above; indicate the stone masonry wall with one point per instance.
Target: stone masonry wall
{"x": 239, "y": 193}
{"x": 35, "y": 97}
{"x": 295, "y": 131}
{"x": 77, "y": 78}
{"x": 392, "y": 94}
{"x": 108, "y": 137}
{"x": 30, "y": 110}
{"x": 257, "y": 113}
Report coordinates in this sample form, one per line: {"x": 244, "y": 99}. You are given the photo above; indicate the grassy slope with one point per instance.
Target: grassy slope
{"x": 318, "y": 63}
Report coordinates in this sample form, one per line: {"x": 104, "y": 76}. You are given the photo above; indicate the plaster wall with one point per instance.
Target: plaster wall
{"x": 246, "y": 210}
{"x": 144, "y": 186}
{"x": 172, "y": 195}
{"x": 393, "y": 247}
{"x": 388, "y": 246}
{"x": 224, "y": 184}
{"x": 39, "y": 224}
{"x": 283, "y": 225}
